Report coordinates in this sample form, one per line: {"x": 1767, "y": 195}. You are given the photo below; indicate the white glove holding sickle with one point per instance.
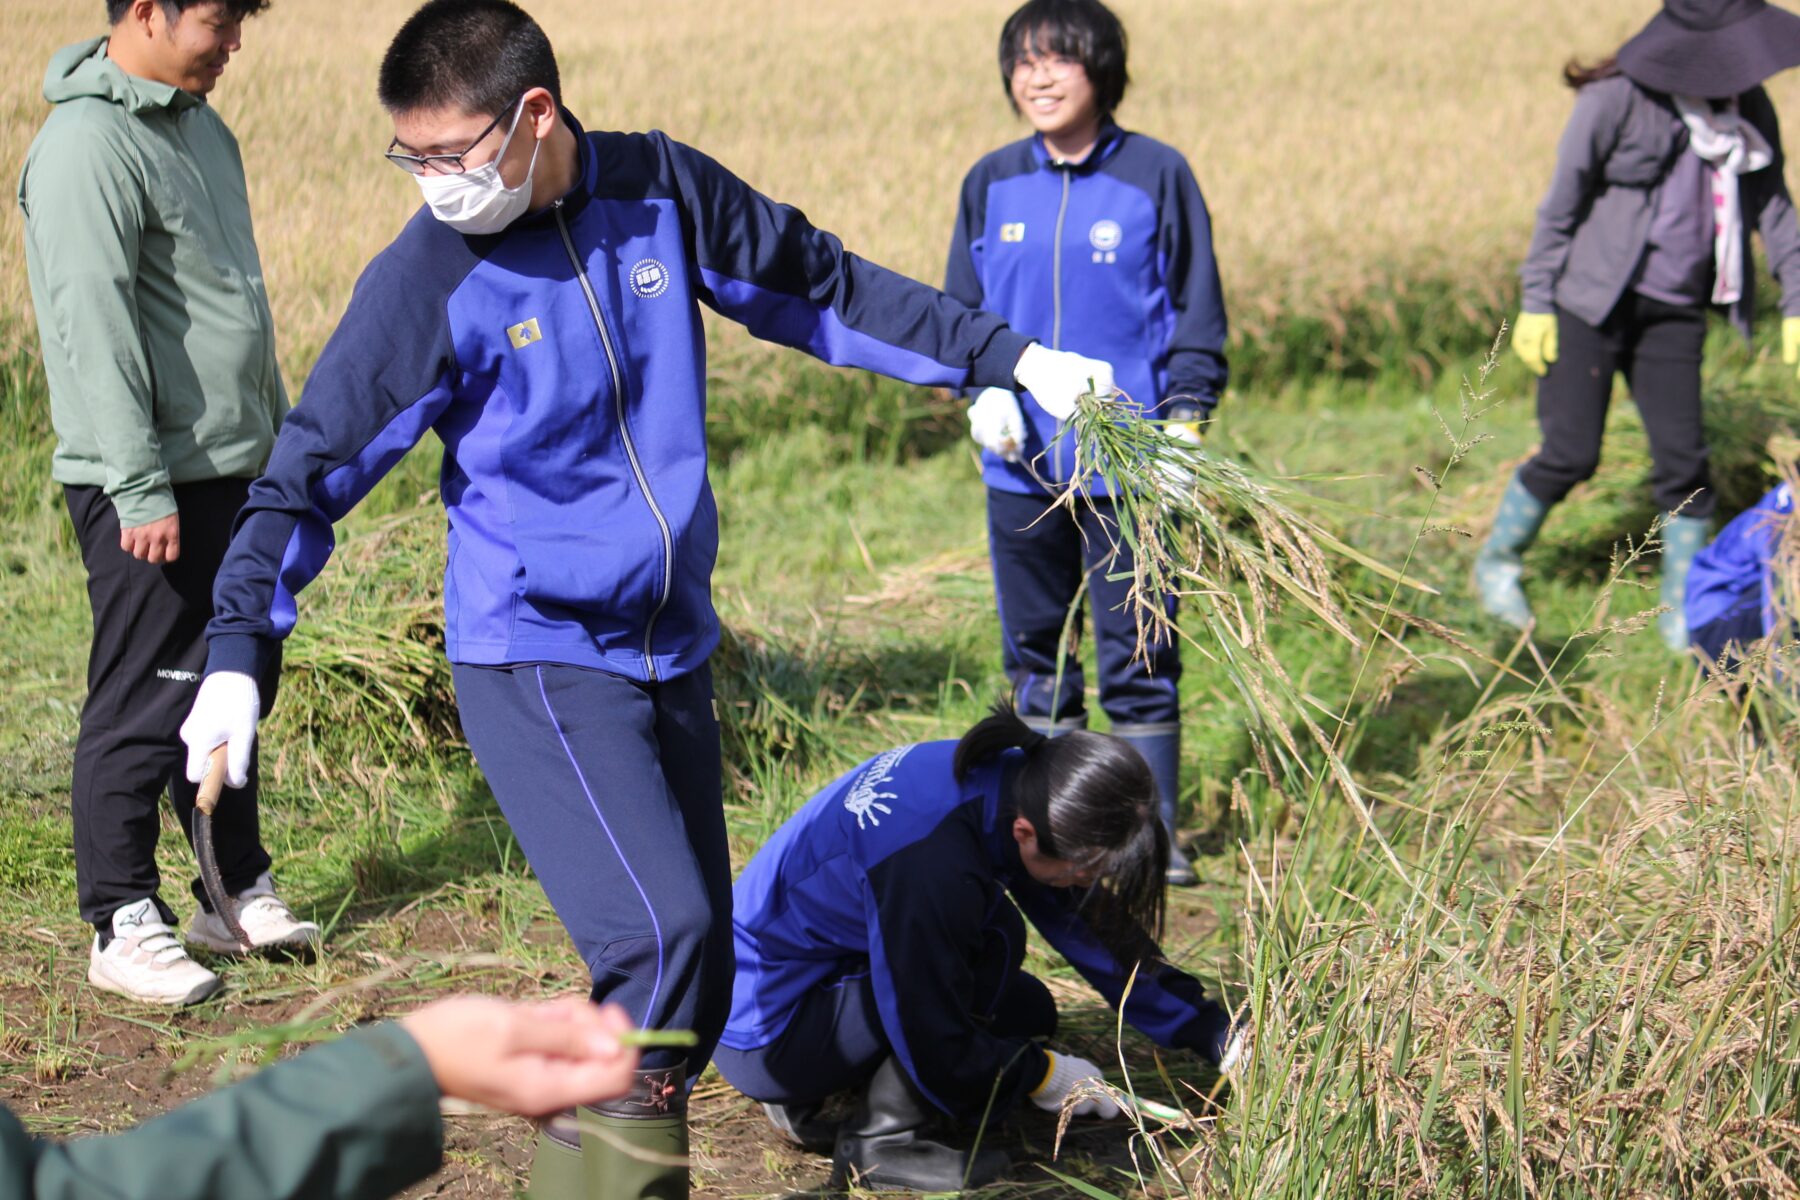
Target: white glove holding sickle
{"x": 224, "y": 714}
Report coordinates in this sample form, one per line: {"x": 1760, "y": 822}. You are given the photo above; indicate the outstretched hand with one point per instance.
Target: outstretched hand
{"x": 528, "y": 1059}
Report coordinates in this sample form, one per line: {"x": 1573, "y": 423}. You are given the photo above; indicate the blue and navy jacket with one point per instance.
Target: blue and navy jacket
{"x": 1110, "y": 257}
{"x": 563, "y": 365}
{"x": 1730, "y": 580}
{"x": 896, "y": 869}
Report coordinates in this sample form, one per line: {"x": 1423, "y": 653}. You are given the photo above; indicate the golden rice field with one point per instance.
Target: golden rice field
{"x": 1336, "y": 142}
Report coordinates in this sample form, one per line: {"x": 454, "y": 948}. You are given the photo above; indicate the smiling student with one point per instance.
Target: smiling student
{"x": 1094, "y": 239}
{"x": 541, "y": 314}
{"x": 881, "y": 946}
{"x": 159, "y": 352}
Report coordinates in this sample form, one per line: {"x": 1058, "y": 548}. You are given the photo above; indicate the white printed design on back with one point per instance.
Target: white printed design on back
{"x": 864, "y": 801}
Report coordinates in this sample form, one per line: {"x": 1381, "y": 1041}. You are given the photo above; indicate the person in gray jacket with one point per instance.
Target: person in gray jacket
{"x": 1670, "y": 160}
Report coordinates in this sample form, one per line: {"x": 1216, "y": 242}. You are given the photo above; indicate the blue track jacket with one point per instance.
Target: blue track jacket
{"x": 563, "y": 364}
{"x": 896, "y": 869}
{"x": 1730, "y": 577}
{"x": 1111, "y": 257}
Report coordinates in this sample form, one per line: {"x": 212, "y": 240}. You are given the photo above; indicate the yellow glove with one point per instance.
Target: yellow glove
{"x": 1790, "y": 341}
{"x": 1534, "y": 340}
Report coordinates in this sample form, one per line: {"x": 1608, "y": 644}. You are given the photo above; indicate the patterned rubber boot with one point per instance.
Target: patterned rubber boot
{"x": 1682, "y": 539}
{"x": 636, "y": 1146}
{"x": 1500, "y": 564}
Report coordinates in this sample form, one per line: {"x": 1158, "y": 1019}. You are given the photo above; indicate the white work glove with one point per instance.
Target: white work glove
{"x": 1055, "y": 378}
{"x": 224, "y": 714}
{"x": 1066, "y": 1071}
{"x": 997, "y": 424}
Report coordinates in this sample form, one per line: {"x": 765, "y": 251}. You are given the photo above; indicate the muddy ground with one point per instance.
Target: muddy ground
{"x": 75, "y": 1062}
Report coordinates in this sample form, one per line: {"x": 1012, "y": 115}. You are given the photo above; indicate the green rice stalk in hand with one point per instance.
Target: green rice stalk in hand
{"x": 1233, "y": 549}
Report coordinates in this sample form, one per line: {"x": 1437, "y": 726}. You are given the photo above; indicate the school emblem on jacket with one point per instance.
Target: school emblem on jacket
{"x": 649, "y": 279}
{"x": 864, "y": 800}
{"x": 1105, "y": 237}
{"x": 524, "y": 333}
{"x": 1012, "y": 231}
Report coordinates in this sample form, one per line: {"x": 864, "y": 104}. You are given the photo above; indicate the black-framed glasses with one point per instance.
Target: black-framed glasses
{"x": 450, "y": 164}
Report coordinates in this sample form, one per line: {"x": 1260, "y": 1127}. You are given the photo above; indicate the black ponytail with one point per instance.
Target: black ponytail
{"x": 1092, "y": 800}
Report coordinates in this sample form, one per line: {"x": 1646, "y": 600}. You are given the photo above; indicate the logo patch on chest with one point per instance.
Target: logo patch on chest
{"x": 1012, "y": 231}
{"x": 524, "y": 333}
{"x": 1105, "y": 237}
{"x": 649, "y": 279}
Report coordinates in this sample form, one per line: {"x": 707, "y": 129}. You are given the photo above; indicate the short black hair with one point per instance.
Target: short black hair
{"x": 1083, "y": 30}
{"x": 476, "y": 55}
{"x": 237, "y": 9}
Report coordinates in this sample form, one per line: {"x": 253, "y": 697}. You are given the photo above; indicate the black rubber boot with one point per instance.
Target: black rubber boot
{"x": 802, "y": 1125}
{"x": 884, "y": 1146}
{"x": 556, "y": 1166}
{"x": 635, "y": 1147}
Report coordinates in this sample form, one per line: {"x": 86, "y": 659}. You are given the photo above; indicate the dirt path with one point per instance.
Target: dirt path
{"x": 90, "y": 1065}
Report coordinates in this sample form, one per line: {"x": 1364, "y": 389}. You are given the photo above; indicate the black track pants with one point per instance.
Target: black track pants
{"x": 144, "y": 669}
{"x": 1658, "y": 347}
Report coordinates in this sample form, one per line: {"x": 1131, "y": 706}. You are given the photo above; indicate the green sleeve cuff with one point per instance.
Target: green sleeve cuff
{"x": 140, "y": 505}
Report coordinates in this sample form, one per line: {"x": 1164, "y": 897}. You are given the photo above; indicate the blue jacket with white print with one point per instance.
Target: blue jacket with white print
{"x": 895, "y": 869}
{"x": 1110, "y": 257}
{"x": 563, "y": 365}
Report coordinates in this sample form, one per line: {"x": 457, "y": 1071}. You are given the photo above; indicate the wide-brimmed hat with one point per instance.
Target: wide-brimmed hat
{"x": 1712, "y": 47}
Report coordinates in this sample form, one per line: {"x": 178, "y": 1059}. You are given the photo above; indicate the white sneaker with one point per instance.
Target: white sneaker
{"x": 270, "y": 923}
{"x": 145, "y": 962}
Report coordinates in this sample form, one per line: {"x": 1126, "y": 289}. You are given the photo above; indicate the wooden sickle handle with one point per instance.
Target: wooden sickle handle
{"x": 212, "y": 781}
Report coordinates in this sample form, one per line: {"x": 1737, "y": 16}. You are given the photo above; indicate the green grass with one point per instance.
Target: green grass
{"x": 1588, "y": 933}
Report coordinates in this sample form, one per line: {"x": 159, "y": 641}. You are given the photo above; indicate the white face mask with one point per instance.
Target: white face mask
{"x": 478, "y": 200}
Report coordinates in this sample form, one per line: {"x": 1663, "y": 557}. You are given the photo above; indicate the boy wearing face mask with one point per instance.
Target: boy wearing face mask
{"x": 159, "y": 352}
{"x": 542, "y": 316}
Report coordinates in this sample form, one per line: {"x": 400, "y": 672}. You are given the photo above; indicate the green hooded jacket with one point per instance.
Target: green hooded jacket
{"x": 158, "y": 343}
{"x": 353, "y": 1120}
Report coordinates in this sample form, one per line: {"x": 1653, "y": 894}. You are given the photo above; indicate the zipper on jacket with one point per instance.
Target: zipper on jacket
{"x": 637, "y": 469}
{"x": 1056, "y": 256}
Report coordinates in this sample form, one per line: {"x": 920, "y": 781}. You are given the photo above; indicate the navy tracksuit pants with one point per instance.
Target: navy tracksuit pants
{"x": 1039, "y": 557}
{"x": 835, "y": 1040}
{"x": 613, "y": 790}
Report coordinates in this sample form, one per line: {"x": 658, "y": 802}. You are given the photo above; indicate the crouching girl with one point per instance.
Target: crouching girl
{"x": 880, "y": 945}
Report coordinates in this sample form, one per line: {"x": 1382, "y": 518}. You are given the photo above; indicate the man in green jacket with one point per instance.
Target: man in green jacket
{"x": 159, "y": 350}
{"x": 353, "y": 1120}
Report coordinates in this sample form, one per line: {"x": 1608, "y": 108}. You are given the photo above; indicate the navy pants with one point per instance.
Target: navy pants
{"x": 835, "y": 1040}
{"x": 1039, "y": 558}
{"x": 613, "y": 790}
{"x": 1658, "y": 348}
